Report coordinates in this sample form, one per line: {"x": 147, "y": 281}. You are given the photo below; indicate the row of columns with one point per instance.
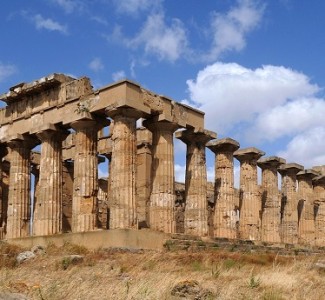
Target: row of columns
{"x": 260, "y": 216}
{"x": 267, "y": 214}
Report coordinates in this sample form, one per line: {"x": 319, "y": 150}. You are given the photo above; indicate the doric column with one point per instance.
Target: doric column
{"x": 162, "y": 199}
{"x": 319, "y": 196}
{"x": 67, "y": 195}
{"x": 225, "y": 211}
{"x": 249, "y": 196}
{"x": 306, "y": 230}
{"x": 123, "y": 168}
{"x": 143, "y": 182}
{"x": 271, "y": 201}
{"x": 289, "y": 218}
{"x": 3, "y": 213}
{"x": 85, "y": 185}
{"x": 196, "y": 213}
{"x": 18, "y": 214}
{"x": 48, "y": 207}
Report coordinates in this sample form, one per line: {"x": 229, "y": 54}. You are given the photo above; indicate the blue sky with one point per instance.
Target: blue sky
{"x": 255, "y": 67}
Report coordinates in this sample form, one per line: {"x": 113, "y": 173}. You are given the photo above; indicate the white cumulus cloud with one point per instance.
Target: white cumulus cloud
{"x": 118, "y": 75}
{"x": 268, "y": 104}
{"x": 167, "y": 42}
{"x": 96, "y": 65}
{"x": 68, "y": 6}
{"x": 306, "y": 147}
{"x": 6, "y": 70}
{"x": 48, "y": 24}
{"x": 229, "y": 31}
{"x": 231, "y": 94}
{"x": 133, "y": 7}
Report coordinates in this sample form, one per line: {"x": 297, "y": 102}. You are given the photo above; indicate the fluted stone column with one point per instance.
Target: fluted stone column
{"x": 162, "y": 199}
{"x": 67, "y": 195}
{"x": 85, "y": 185}
{"x": 18, "y": 214}
{"x": 123, "y": 168}
{"x": 319, "y": 196}
{"x": 3, "y": 213}
{"x": 289, "y": 219}
{"x": 143, "y": 182}
{"x": 271, "y": 200}
{"x": 196, "y": 213}
{"x": 225, "y": 211}
{"x": 250, "y": 201}
{"x": 48, "y": 207}
{"x": 306, "y": 206}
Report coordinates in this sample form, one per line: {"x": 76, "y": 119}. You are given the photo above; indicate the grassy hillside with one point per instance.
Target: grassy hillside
{"x": 126, "y": 274}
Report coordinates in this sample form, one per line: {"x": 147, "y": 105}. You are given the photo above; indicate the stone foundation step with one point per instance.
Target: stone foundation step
{"x": 175, "y": 244}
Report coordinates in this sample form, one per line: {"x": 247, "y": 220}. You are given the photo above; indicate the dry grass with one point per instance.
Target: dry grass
{"x": 117, "y": 274}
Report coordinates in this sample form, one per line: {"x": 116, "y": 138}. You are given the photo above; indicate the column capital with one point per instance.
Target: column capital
{"x": 223, "y": 145}
{"x": 125, "y": 111}
{"x": 248, "y": 154}
{"x": 48, "y": 130}
{"x": 189, "y": 136}
{"x": 319, "y": 180}
{"x": 270, "y": 162}
{"x": 18, "y": 140}
{"x": 307, "y": 174}
{"x": 153, "y": 124}
{"x": 291, "y": 168}
{"x": 88, "y": 120}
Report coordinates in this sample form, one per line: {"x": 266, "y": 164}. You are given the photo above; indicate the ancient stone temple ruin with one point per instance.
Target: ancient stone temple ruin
{"x": 55, "y": 131}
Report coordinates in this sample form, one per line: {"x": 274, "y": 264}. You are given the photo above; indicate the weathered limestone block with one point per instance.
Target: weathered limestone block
{"x": 196, "y": 213}
{"x": 306, "y": 207}
{"x": 319, "y": 198}
{"x": 250, "y": 201}
{"x": 123, "y": 168}
{"x": 162, "y": 198}
{"x": 225, "y": 211}
{"x": 48, "y": 206}
{"x": 289, "y": 205}
{"x": 85, "y": 185}
{"x": 271, "y": 201}
{"x": 18, "y": 214}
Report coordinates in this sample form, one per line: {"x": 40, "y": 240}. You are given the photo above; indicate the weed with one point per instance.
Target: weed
{"x": 215, "y": 272}
{"x": 197, "y": 266}
{"x": 229, "y": 263}
{"x": 272, "y": 295}
{"x": 254, "y": 282}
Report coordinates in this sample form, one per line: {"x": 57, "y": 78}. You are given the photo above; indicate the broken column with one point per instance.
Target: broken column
{"x": 18, "y": 214}
{"x": 271, "y": 201}
{"x": 225, "y": 211}
{"x": 250, "y": 201}
{"x": 123, "y": 168}
{"x": 48, "y": 207}
{"x": 289, "y": 218}
{"x": 306, "y": 229}
{"x": 85, "y": 185}
{"x": 196, "y": 213}
{"x": 162, "y": 199}
{"x": 319, "y": 197}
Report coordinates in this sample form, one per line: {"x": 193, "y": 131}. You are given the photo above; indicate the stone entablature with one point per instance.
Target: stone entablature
{"x": 75, "y": 127}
